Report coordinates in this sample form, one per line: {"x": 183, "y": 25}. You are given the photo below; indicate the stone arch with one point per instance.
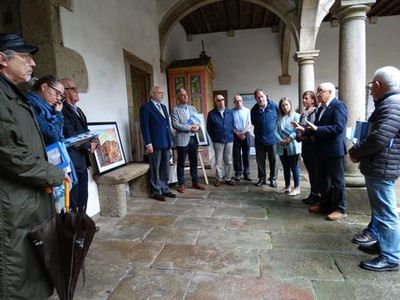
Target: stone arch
{"x": 312, "y": 13}
{"x": 286, "y": 10}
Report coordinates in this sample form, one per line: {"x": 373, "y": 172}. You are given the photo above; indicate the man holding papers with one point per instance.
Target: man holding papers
{"x": 186, "y": 124}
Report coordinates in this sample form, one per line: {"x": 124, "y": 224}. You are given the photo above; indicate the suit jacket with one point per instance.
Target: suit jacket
{"x": 75, "y": 124}
{"x": 156, "y": 129}
{"x": 330, "y": 136}
{"x": 180, "y": 117}
{"x": 220, "y": 128}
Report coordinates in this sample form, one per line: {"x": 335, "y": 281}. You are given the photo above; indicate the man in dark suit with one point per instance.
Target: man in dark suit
{"x": 157, "y": 136}
{"x": 329, "y": 130}
{"x": 75, "y": 123}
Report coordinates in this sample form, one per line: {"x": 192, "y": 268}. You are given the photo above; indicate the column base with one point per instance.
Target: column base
{"x": 354, "y": 180}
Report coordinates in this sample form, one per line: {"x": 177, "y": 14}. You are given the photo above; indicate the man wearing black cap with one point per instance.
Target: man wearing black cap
{"x": 25, "y": 177}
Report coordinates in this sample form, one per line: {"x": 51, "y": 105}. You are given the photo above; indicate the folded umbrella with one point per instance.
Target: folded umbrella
{"x": 62, "y": 242}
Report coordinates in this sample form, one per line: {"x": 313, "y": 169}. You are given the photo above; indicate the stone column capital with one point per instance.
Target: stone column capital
{"x": 306, "y": 57}
{"x": 350, "y": 10}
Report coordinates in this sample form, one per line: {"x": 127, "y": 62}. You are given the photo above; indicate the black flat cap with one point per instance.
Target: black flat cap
{"x": 12, "y": 41}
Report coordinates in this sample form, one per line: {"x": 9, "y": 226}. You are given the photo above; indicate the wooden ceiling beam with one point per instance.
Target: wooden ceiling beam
{"x": 377, "y": 7}
{"x": 240, "y": 14}
{"x": 195, "y": 26}
{"x": 386, "y": 10}
{"x": 253, "y": 17}
{"x": 227, "y": 3}
{"x": 216, "y": 16}
{"x": 204, "y": 18}
{"x": 265, "y": 19}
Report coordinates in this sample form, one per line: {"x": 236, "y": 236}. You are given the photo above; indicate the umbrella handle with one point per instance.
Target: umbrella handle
{"x": 67, "y": 194}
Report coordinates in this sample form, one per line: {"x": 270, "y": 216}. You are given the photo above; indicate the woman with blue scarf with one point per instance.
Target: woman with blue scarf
{"x": 47, "y": 100}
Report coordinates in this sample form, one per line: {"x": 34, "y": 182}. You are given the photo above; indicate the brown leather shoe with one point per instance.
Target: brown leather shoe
{"x": 315, "y": 208}
{"x": 217, "y": 182}
{"x": 181, "y": 188}
{"x": 336, "y": 216}
{"x": 197, "y": 186}
{"x": 230, "y": 182}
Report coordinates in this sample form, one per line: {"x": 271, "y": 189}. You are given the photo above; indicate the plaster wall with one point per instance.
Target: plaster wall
{"x": 251, "y": 58}
{"x": 100, "y": 33}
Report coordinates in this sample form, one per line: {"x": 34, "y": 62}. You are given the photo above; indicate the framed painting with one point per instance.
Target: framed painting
{"x": 202, "y": 133}
{"x": 109, "y": 154}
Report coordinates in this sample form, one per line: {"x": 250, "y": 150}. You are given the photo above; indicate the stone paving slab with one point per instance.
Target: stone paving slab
{"x": 192, "y": 193}
{"x": 132, "y": 219}
{"x": 152, "y": 284}
{"x": 233, "y": 287}
{"x": 211, "y": 202}
{"x": 355, "y": 291}
{"x": 229, "y": 212}
{"x": 234, "y": 240}
{"x": 293, "y": 263}
{"x": 309, "y": 241}
{"x": 253, "y": 225}
{"x": 178, "y": 210}
{"x": 122, "y": 252}
{"x": 200, "y": 223}
{"x": 348, "y": 265}
{"x": 202, "y": 258}
{"x": 172, "y": 235}
{"x": 126, "y": 232}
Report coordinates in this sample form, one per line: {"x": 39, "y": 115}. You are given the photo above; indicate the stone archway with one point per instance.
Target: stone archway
{"x": 286, "y": 10}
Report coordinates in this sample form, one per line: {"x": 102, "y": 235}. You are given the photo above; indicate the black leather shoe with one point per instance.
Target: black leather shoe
{"x": 261, "y": 182}
{"x": 169, "y": 194}
{"x": 370, "y": 249}
{"x": 272, "y": 183}
{"x": 247, "y": 178}
{"x": 364, "y": 238}
{"x": 379, "y": 264}
{"x": 158, "y": 197}
{"x": 312, "y": 199}
{"x": 236, "y": 178}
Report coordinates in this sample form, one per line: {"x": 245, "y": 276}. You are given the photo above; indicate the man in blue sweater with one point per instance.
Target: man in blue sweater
{"x": 264, "y": 117}
{"x": 220, "y": 128}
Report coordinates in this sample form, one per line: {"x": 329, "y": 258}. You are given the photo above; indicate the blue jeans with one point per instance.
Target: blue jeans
{"x": 381, "y": 194}
{"x": 191, "y": 151}
{"x": 289, "y": 163}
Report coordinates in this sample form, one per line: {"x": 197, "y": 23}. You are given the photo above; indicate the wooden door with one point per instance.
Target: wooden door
{"x": 140, "y": 83}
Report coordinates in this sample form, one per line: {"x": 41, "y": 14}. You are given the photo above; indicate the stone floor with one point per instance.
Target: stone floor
{"x": 239, "y": 242}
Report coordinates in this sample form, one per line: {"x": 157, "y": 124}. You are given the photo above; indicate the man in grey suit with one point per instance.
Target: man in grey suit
{"x": 185, "y": 139}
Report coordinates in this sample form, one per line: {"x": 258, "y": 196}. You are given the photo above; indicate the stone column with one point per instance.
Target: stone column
{"x": 306, "y": 60}
{"x": 352, "y": 69}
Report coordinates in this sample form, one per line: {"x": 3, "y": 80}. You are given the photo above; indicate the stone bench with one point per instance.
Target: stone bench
{"x": 117, "y": 186}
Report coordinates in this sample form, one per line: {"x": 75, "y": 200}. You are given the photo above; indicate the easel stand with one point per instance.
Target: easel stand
{"x": 202, "y": 165}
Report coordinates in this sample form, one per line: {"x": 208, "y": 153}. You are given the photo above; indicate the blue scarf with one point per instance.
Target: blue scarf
{"x": 42, "y": 109}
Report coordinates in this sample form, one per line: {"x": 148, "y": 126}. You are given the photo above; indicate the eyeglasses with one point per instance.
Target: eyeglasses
{"x": 370, "y": 84}
{"x": 58, "y": 93}
{"x": 219, "y": 100}
{"x": 74, "y": 89}
{"x": 25, "y": 56}
{"x": 321, "y": 91}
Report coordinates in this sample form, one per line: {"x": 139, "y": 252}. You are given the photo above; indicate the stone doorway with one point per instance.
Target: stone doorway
{"x": 139, "y": 80}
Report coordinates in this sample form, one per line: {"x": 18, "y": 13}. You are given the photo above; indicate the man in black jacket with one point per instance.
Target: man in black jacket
{"x": 379, "y": 157}
{"x": 75, "y": 123}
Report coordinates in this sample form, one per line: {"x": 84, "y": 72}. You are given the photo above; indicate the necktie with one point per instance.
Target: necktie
{"x": 160, "y": 109}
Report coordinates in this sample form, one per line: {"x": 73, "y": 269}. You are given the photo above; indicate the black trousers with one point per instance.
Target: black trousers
{"x": 79, "y": 192}
{"x": 191, "y": 151}
{"x": 261, "y": 155}
{"x": 311, "y": 162}
{"x": 332, "y": 184}
{"x": 241, "y": 149}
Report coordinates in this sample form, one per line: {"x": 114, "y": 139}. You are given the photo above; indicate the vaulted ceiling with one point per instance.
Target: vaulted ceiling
{"x": 230, "y": 15}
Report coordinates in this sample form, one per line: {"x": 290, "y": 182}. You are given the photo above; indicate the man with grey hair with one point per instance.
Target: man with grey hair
{"x": 26, "y": 177}
{"x": 157, "y": 136}
{"x": 329, "y": 131}
{"x": 241, "y": 139}
{"x": 379, "y": 157}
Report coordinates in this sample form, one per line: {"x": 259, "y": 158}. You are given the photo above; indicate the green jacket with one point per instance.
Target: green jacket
{"x": 24, "y": 172}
